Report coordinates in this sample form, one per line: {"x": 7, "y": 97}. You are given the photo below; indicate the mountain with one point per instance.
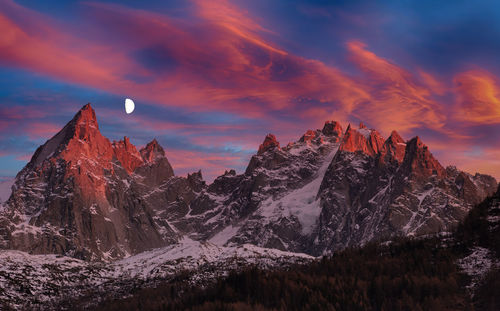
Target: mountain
{"x": 459, "y": 270}
{"x": 452, "y": 271}
{"x": 82, "y": 195}
{"x": 86, "y": 197}
{"x": 333, "y": 189}
{"x": 55, "y": 282}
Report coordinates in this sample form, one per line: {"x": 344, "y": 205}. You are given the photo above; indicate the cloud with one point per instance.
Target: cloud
{"x": 478, "y": 97}
{"x": 216, "y": 60}
{"x": 432, "y": 83}
{"x": 396, "y": 99}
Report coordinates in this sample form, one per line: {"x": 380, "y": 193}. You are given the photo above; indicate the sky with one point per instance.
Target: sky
{"x": 211, "y": 78}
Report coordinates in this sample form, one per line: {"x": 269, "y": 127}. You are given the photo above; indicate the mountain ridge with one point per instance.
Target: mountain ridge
{"x": 86, "y": 197}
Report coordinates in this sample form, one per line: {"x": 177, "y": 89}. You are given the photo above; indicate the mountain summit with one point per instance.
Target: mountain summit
{"x": 80, "y": 196}
{"x": 86, "y": 197}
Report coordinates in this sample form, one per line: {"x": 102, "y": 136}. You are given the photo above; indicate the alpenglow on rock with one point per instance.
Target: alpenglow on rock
{"x": 83, "y": 196}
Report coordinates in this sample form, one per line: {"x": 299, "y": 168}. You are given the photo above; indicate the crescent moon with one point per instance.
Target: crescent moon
{"x": 129, "y": 106}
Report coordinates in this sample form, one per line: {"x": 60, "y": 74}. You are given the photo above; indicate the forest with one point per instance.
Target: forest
{"x": 405, "y": 274}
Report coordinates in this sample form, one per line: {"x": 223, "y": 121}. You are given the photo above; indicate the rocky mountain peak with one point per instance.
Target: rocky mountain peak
{"x": 80, "y": 136}
{"x": 376, "y": 141}
{"x": 395, "y": 138}
{"x": 87, "y": 113}
{"x": 354, "y": 140}
{"x": 80, "y": 182}
{"x": 152, "y": 151}
{"x": 419, "y": 161}
{"x": 362, "y": 125}
{"x": 393, "y": 148}
{"x": 157, "y": 169}
{"x": 270, "y": 142}
{"x": 84, "y": 123}
{"x": 332, "y": 128}
{"x": 195, "y": 181}
{"x": 309, "y": 136}
{"x": 127, "y": 154}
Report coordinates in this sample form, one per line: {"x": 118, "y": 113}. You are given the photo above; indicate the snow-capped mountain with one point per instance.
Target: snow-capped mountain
{"x": 81, "y": 195}
{"x": 45, "y": 281}
{"x": 86, "y": 197}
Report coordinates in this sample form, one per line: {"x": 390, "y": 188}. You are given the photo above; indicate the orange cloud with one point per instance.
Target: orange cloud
{"x": 478, "y": 97}
{"x": 432, "y": 83}
{"x": 223, "y": 60}
{"x": 483, "y": 160}
{"x": 236, "y": 21}
{"x": 397, "y": 100}
{"x": 38, "y": 130}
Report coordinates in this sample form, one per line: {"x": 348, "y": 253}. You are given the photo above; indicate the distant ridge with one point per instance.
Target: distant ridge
{"x": 86, "y": 197}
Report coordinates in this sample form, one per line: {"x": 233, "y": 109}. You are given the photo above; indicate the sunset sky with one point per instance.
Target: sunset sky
{"x": 211, "y": 78}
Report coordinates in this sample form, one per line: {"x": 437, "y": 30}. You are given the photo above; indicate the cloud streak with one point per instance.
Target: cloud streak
{"x": 216, "y": 58}
{"x": 478, "y": 97}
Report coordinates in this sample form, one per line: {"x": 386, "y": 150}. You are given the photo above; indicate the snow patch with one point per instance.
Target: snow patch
{"x": 476, "y": 265}
{"x": 301, "y": 203}
{"x": 40, "y": 281}
{"x": 223, "y": 236}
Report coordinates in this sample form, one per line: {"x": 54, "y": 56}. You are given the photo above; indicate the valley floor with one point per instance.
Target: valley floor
{"x": 458, "y": 271}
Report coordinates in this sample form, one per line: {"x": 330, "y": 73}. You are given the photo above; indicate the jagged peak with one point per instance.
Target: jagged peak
{"x": 270, "y": 142}
{"x": 393, "y": 148}
{"x": 376, "y": 141}
{"x": 87, "y": 107}
{"x": 308, "y": 136}
{"x": 416, "y": 141}
{"x": 230, "y": 172}
{"x": 152, "y": 151}
{"x": 332, "y": 128}
{"x": 396, "y": 138}
{"x": 82, "y": 127}
{"x": 153, "y": 145}
{"x": 84, "y": 124}
{"x": 420, "y": 161}
{"x": 354, "y": 140}
{"x": 362, "y": 125}
{"x": 125, "y": 142}
{"x": 127, "y": 154}
{"x": 84, "y": 115}
{"x": 196, "y": 181}
{"x": 195, "y": 175}
{"x": 154, "y": 142}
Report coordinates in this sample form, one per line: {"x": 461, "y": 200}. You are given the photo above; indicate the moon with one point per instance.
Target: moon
{"x": 129, "y": 106}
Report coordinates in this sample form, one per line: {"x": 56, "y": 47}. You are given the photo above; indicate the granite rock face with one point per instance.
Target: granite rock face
{"x": 399, "y": 190}
{"x": 81, "y": 195}
{"x": 86, "y": 197}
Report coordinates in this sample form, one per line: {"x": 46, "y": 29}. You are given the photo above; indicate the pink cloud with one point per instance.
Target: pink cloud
{"x": 37, "y": 130}
{"x": 478, "y": 97}
{"x": 396, "y": 100}
{"x": 223, "y": 60}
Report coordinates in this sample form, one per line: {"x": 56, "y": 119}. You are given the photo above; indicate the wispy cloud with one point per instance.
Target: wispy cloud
{"x": 220, "y": 60}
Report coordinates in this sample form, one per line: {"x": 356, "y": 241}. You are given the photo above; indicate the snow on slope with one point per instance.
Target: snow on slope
{"x": 301, "y": 203}
{"x": 476, "y": 265}
{"x": 190, "y": 254}
{"x": 43, "y": 280}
